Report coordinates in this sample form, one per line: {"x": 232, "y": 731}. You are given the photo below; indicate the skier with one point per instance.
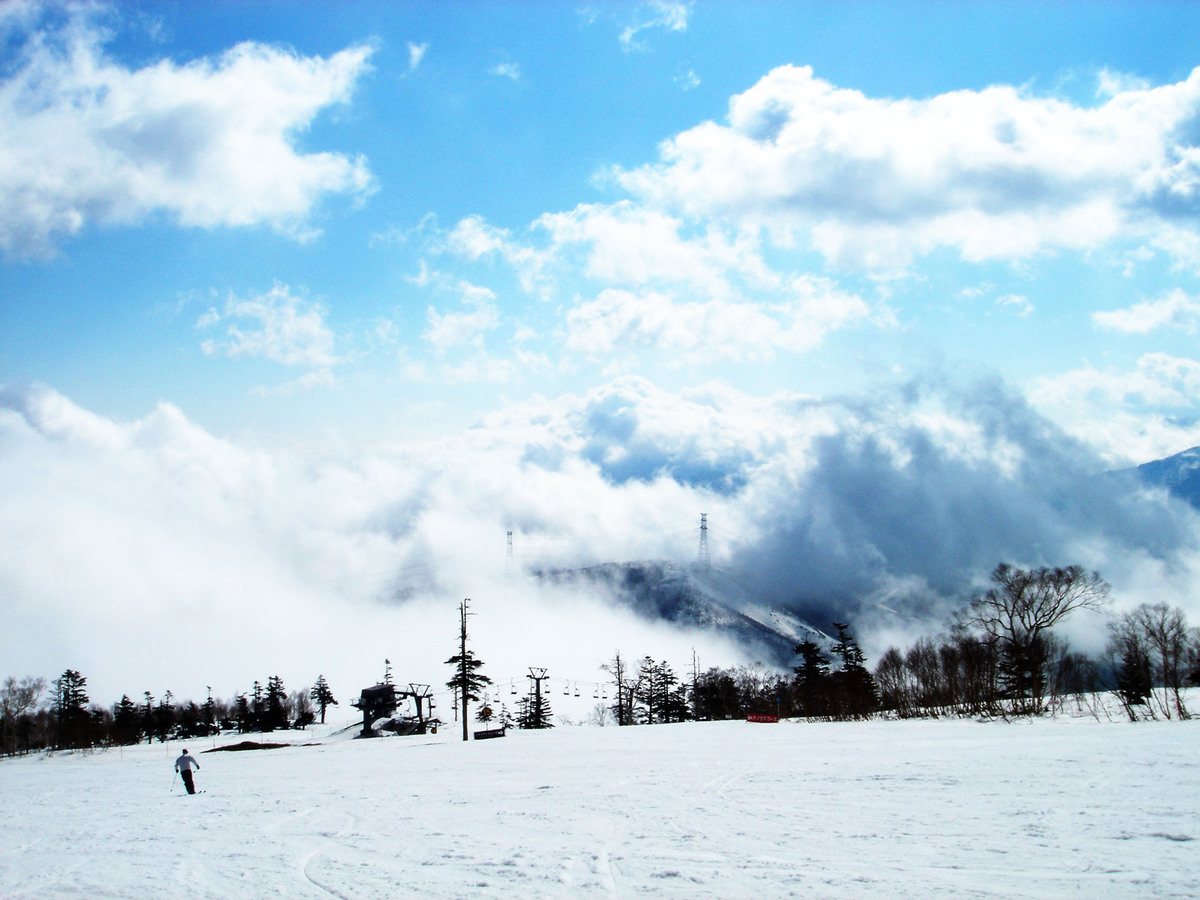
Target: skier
{"x": 183, "y": 766}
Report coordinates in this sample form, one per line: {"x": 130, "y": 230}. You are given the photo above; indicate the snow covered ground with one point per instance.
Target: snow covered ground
{"x": 1049, "y": 808}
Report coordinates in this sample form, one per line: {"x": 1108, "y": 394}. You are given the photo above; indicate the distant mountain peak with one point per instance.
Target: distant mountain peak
{"x": 694, "y": 596}
{"x": 1178, "y": 474}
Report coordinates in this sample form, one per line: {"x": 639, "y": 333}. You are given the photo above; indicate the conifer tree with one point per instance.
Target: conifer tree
{"x": 468, "y": 682}
{"x": 164, "y": 717}
{"x": 70, "y": 708}
{"x": 322, "y": 696}
{"x": 533, "y": 710}
{"x": 208, "y": 713}
{"x": 811, "y": 682}
{"x": 855, "y": 694}
{"x": 276, "y": 713}
{"x": 1134, "y": 683}
{"x": 243, "y": 713}
{"x": 258, "y": 707}
{"x": 148, "y": 717}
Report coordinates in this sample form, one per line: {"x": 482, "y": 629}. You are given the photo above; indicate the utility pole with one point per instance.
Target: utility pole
{"x": 704, "y": 558}
{"x": 695, "y": 681}
{"x": 538, "y": 675}
{"x": 508, "y": 560}
{"x": 464, "y": 672}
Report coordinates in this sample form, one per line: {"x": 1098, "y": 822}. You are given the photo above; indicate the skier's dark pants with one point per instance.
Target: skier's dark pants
{"x": 186, "y": 774}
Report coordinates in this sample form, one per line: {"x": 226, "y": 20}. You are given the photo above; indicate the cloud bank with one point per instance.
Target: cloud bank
{"x": 153, "y": 554}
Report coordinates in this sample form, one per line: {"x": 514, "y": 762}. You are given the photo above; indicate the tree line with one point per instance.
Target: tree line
{"x": 1001, "y": 656}
{"x": 68, "y": 720}
{"x": 998, "y": 656}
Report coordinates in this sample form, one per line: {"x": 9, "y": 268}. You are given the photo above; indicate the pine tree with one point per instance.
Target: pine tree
{"x": 209, "y": 713}
{"x": 468, "y": 682}
{"x": 70, "y": 709}
{"x": 164, "y": 717}
{"x": 812, "y": 680}
{"x": 533, "y": 710}
{"x": 322, "y": 696}
{"x": 258, "y": 707}
{"x": 243, "y": 713}
{"x": 854, "y": 691}
{"x": 276, "y": 713}
{"x": 148, "y": 717}
{"x": 1134, "y": 683}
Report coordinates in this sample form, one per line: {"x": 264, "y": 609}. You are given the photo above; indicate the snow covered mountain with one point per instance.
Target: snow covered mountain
{"x": 694, "y": 595}
{"x": 1179, "y": 474}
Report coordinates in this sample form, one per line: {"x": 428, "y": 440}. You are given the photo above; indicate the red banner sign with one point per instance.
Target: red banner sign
{"x": 760, "y": 717}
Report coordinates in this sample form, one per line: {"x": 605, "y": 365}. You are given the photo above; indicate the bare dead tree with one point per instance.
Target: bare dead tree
{"x": 1019, "y": 611}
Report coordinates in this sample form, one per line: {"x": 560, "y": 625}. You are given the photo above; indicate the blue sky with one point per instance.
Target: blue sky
{"x": 500, "y": 115}
{"x": 661, "y": 251}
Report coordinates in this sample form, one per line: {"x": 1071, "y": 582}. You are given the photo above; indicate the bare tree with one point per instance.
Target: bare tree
{"x": 17, "y": 699}
{"x": 1158, "y": 636}
{"x": 1019, "y": 612}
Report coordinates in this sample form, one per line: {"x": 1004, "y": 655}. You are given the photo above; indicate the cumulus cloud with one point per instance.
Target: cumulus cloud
{"x": 454, "y": 330}
{"x": 1131, "y": 416}
{"x": 687, "y": 331}
{"x": 1177, "y": 310}
{"x": 993, "y": 174}
{"x": 212, "y": 142}
{"x": 474, "y": 239}
{"x": 629, "y": 244}
{"x": 277, "y": 326}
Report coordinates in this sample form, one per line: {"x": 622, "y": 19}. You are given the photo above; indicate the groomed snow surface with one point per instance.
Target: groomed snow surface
{"x": 1066, "y": 807}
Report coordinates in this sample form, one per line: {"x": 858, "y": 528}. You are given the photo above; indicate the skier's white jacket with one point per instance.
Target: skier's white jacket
{"x": 185, "y": 763}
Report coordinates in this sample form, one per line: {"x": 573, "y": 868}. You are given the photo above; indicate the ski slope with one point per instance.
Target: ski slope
{"x": 1070, "y": 807}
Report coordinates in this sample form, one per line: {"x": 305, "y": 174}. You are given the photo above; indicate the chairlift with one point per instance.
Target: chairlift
{"x": 567, "y": 689}
{"x": 596, "y": 694}
{"x": 514, "y": 686}
{"x": 577, "y": 689}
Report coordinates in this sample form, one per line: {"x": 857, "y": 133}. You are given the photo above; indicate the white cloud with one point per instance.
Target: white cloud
{"x": 128, "y": 534}
{"x": 994, "y": 174}
{"x": 631, "y": 245}
{"x": 1017, "y": 303}
{"x": 509, "y": 70}
{"x": 689, "y": 331}
{"x": 688, "y": 81}
{"x": 416, "y": 53}
{"x": 1130, "y": 417}
{"x": 212, "y": 142}
{"x": 475, "y": 239}
{"x": 455, "y": 330}
{"x": 276, "y": 326}
{"x": 1176, "y": 310}
{"x": 669, "y": 14}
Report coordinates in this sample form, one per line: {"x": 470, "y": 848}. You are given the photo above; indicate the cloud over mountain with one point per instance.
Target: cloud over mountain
{"x": 893, "y": 506}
